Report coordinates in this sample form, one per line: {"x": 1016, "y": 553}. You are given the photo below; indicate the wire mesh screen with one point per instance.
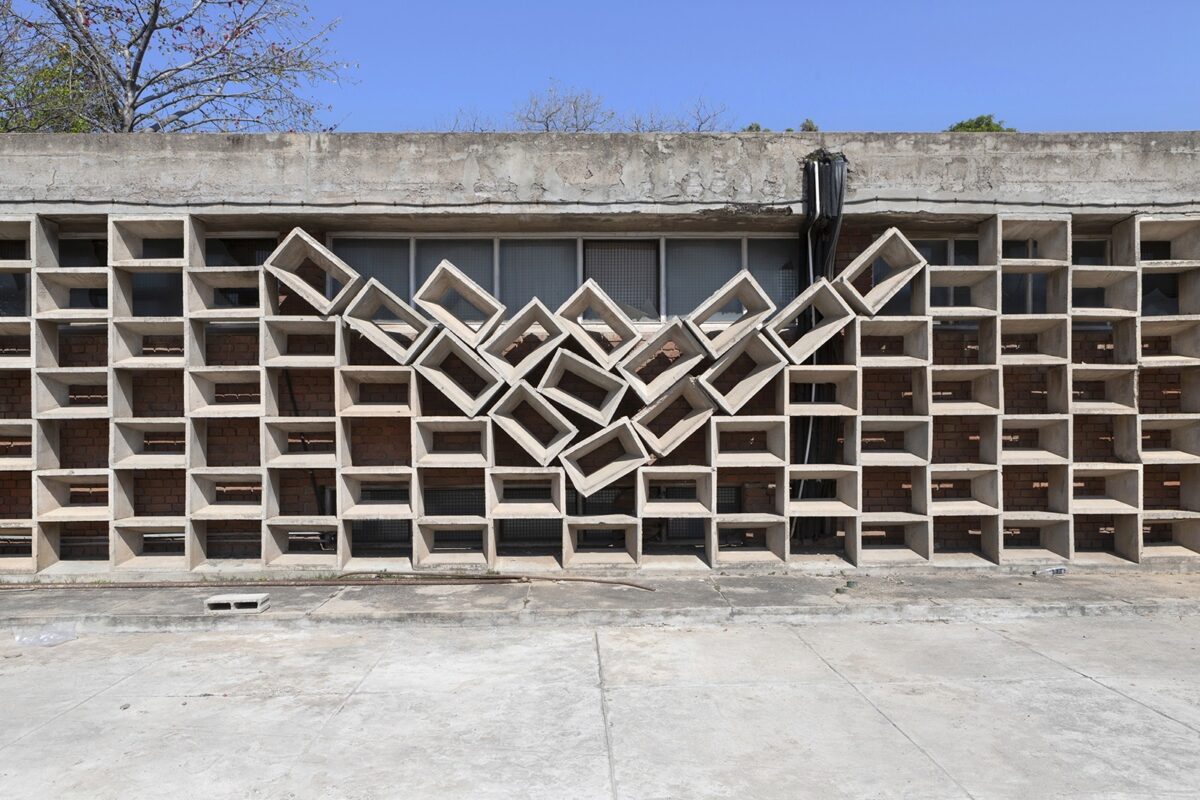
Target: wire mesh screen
{"x": 237, "y": 251}
{"x": 157, "y": 294}
{"x": 386, "y": 260}
{"x": 541, "y": 268}
{"x": 14, "y": 294}
{"x": 529, "y": 537}
{"x": 698, "y": 267}
{"x": 473, "y": 257}
{"x": 380, "y": 538}
{"x": 729, "y": 499}
{"x": 627, "y": 271}
{"x": 610, "y": 500}
{"x": 454, "y": 502}
{"x": 774, "y": 263}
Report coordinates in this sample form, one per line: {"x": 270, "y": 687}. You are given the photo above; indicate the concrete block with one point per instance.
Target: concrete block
{"x": 791, "y": 330}
{"x": 388, "y": 322}
{"x": 452, "y": 442}
{"x": 742, "y": 372}
{"x": 598, "y": 324}
{"x": 138, "y": 242}
{"x": 443, "y": 363}
{"x": 756, "y": 306}
{"x": 582, "y": 387}
{"x": 447, "y": 280}
{"x": 604, "y": 457}
{"x": 903, "y": 263}
{"x": 659, "y": 363}
{"x": 238, "y": 603}
{"x": 533, "y": 423}
{"x": 507, "y": 350}
{"x": 299, "y": 249}
{"x": 669, "y": 421}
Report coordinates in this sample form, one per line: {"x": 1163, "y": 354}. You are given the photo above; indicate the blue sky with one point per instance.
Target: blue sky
{"x": 853, "y": 65}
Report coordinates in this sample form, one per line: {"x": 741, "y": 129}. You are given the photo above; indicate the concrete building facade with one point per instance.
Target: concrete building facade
{"x": 235, "y": 355}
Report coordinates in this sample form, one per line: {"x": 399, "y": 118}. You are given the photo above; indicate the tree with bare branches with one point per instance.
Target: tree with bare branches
{"x": 556, "y": 109}
{"x": 191, "y": 65}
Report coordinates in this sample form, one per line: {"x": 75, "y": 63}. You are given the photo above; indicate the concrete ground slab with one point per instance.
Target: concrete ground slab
{"x": 895, "y": 710}
{"x": 1037, "y": 738}
{"x": 451, "y": 603}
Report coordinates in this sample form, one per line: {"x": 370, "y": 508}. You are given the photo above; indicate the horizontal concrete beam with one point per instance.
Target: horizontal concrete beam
{"x": 735, "y": 174}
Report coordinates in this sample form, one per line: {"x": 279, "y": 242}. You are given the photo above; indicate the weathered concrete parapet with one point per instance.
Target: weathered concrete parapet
{"x": 509, "y": 173}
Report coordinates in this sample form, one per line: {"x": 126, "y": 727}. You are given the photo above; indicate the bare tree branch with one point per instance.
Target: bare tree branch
{"x": 196, "y": 64}
{"x": 558, "y": 110}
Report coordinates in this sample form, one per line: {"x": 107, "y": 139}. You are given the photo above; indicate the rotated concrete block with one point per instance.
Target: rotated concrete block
{"x": 800, "y": 344}
{"x": 903, "y": 261}
{"x": 608, "y": 337}
{"x": 602, "y": 458}
{"x": 756, "y": 307}
{"x": 505, "y": 349}
{"x": 742, "y": 372}
{"x": 298, "y": 249}
{"x": 402, "y": 335}
{"x": 678, "y": 351}
{"x": 439, "y": 363}
{"x": 447, "y": 279}
{"x": 533, "y": 423}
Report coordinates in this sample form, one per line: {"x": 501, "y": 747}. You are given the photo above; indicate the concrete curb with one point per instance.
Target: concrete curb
{"x": 698, "y": 616}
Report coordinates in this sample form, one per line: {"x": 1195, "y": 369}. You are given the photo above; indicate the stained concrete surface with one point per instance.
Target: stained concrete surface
{"x": 1050, "y": 708}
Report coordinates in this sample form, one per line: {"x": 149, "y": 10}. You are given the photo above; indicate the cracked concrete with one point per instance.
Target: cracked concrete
{"x": 1051, "y": 708}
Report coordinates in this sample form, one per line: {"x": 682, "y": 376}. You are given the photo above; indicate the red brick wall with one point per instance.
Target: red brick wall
{"x": 1025, "y": 390}
{"x": 887, "y": 489}
{"x": 957, "y": 533}
{"x": 305, "y": 392}
{"x": 15, "y": 394}
{"x": 296, "y": 496}
{"x": 1161, "y": 487}
{"x": 956, "y": 440}
{"x": 1094, "y": 438}
{"x": 83, "y": 443}
{"x": 955, "y": 346}
{"x": 158, "y": 493}
{"x": 158, "y": 393}
{"x": 381, "y": 441}
{"x": 230, "y": 348}
{"x": 887, "y": 392}
{"x": 16, "y": 495}
{"x": 1092, "y": 347}
{"x": 1160, "y": 391}
{"x": 82, "y": 346}
{"x": 1026, "y": 488}
{"x": 1094, "y": 532}
{"x": 232, "y": 442}
{"x": 757, "y": 488}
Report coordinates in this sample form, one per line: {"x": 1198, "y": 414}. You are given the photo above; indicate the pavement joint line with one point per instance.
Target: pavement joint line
{"x": 337, "y": 592}
{"x": 1099, "y": 683}
{"x": 87, "y": 699}
{"x": 967, "y": 792}
{"x": 608, "y": 747}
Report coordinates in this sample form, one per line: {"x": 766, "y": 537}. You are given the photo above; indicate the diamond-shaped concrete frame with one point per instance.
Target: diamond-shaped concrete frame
{"x": 359, "y": 315}
{"x": 767, "y": 364}
{"x": 701, "y": 409}
{"x": 634, "y": 455}
{"x": 691, "y": 353}
{"x": 429, "y": 364}
{"x": 900, "y": 256}
{"x": 297, "y": 248}
{"x": 590, "y": 297}
{"x": 757, "y": 306}
{"x": 504, "y": 415}
{"x": 567, "y": 362}
{"x": 835, "y": 315}
{"x": 534, "y": 313}
{"x": 447, "y": 277}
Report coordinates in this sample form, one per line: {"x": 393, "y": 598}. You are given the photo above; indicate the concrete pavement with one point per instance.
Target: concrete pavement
{"x": 1047, "y": 708}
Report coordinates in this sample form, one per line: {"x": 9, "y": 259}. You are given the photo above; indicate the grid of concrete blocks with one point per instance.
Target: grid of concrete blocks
{"x": 330, "y": 425}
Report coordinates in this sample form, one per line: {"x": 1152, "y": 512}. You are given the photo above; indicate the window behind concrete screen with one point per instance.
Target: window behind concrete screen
{"x": 628, "y": 271}
{"x": 83, "y": 252}
{"x": 934, "y": 251}
{"x": 541, "y": 268}
{"x": 698, "y": 267}
{"x": 157, "y": 294}
{"x": 162, "y": 248}
{"x": 1023, "y": 293}
{"x": 14, "y": 294}
{"x": 386, "y": 260}
{"x": 14, "y": 250}
{"x": 472, "y": 257}
{"x": 775, "y": 264}
{"x": 1160, "y": 294}
{"x": 1155, "y": 250}
{"x": 236, "y": 251}
{"x": 1090, "y": 252}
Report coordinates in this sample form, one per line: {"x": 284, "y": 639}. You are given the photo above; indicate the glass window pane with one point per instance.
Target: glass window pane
{"x": 87, "y": 298}
{"x": 162, "y": 248}
{"x": 82, "y": 252}
{"x": 1155, "y": 250}
{"x": 472, "y": 257}
{"x": 14, "y": 294}
{"x": 13, "y": 250}
{"x": 1160, "y": 294}
{"x": 934, "y": 251}
{"x": 157, "y": 294}
{"x": 698, "y": 267}
{"x": 1016, "y": 248}
{"x": 1089, "y": 252}
{"x": 775, "y": 264}
{"x": 966, "y": 252}
{"x": 238, "y": 252}
{"x": 628, "y": 271}
{"x": 901, "y": 303}
{"x": 386, "y": 260}
{"x": 1014, "y": 294}
{"x": 541, "y": 268}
